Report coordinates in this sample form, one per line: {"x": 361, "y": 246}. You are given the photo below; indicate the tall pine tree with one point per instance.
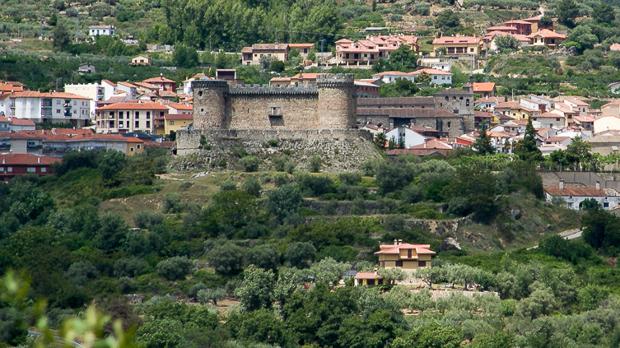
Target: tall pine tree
{"x": 526, "y": 149}
{"x": 483, "y": 144}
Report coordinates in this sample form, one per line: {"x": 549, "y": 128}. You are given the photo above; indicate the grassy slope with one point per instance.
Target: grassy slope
{"x": 536, "y": 218}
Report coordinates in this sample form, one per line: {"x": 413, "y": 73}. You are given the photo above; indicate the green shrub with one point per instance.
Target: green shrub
{"x": 315, "y": 164}
{"x": 252, "y": 186}
{"x": 250, "y": 163}
{"x": 174, "y": 268}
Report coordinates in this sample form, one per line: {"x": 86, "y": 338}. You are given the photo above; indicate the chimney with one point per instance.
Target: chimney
{"x": 39, "y": 160}
{"x": 561, "y": 184}
{"x": 400, "y": 241}
{"x": 598, "y": 185}
{"x": 395, "y": 241}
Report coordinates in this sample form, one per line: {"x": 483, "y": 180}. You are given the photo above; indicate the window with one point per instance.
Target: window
{"x": 31, "y": 170}
{"x": 148, "y": 124}
{"x": 43, "y": 169}
{"x": 421, "y": 263}
{"x": 466, "y": 102}
{"x": 137, "y": 124}
{"x": 57, "y": 111}
{"x": 9, "y": 169}
{"x": 120, "y": 114}
{"x": 605, "y": 204}
{"x": 409, "y": 253}
{"x": 148, "y": 115}
{"x": 399, "y": 263}
{"x": 2, "y": 169}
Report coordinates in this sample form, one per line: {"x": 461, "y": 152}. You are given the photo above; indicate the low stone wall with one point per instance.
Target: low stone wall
{"x": 221, "y": 149}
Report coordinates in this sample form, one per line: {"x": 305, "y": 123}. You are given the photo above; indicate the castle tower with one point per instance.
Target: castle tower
{"x": 336, "y": 107}
{"x": 209, "y": 104}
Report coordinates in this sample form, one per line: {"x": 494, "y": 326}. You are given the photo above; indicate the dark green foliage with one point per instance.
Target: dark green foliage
{"x": 483, "y": 144}
{"x": 527, "y": 149}
{"x": 260, "y": 326}
{"x": 61, "y": 37}
{"x": 477, "y": 186}
{"x": 572, "y": 251}
{"x": 250, "y": 163}
{"x": 448, "y": 22}
{"x": 398, "y": 88}
{"x": 263, "y": 256}
{"x": 601, "y": 230}
{"x": 184, "y": 56}
{"x": 315, "y": 164}
{"x": 300, "y": 254}
{"x": 226, "y": 258}
{"x": 567, "y": 11}
{"x": 284, "y": 201}
{"x": 174, "y": 268}
{"x": 392, "y": 176}
{"x": 316, "y": 185}
{"x": 252, "y": 186}
{"x": 429, "y": 335}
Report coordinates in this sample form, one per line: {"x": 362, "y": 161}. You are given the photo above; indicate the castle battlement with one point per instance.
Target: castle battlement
{"x": 328, "y": 105}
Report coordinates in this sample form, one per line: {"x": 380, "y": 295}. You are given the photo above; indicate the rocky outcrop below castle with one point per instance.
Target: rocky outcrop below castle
{"x": 339, "y": 150}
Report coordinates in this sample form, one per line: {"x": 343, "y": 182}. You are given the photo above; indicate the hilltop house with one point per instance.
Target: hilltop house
{"x": 253, "y": 55}
{"x": 484, "y": 89}
{"x": 457, "y": 45}
{"x": 404, "y": 255}
{"x": 140, "y": 61}
{"x": 101, "y": 30}
{"x": 547, "y": 38}
{"x": 372, "y": 49}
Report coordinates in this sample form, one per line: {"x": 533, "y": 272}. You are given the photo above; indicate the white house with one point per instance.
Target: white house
{"x": 410, "y": 138}
{"x": 608, "y": 123}
{"x": 93, "y": 91}
{"x": 574, "y": 195}
{"x": 437, "y": 76}
{"x": 50, "y": 107}
{"x": 101, "y": 30}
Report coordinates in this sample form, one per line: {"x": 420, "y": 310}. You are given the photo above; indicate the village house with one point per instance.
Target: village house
{"x": 484, "y": 89}
{"x": 254, "y": 54}
{"x": 547, "y": 38}
{"x": 12, "y": 124}
{"x": 405, "y": 136}
{"x": 436, "y": 76}
{"x": 47, "y": 107}
{"x": 611, "y": 109}
{"x": 405, "y": 256}
{"x": 457, "y": 45}
{"x": 141, "y": 61}
{"x": 304, "y": 49}
{"x": 175, "y": 122}
{"x": 615, "y": 47}
{"x": 490, "y": 39}
{"x": 372, "y": 49}
{"x": 551, "y": 119}
{"x": 522, "y": 27}
{"x": 13, "y": 164}
{"x": 606, "y": 123}
{"x": 574, "y": 195}
{"x": 101, "y": 30}
{"x": 162, "y": 83}
{"x": 58, "y": 141}
{"x": 147, "y": 117}
{"x": 439, "y": 63}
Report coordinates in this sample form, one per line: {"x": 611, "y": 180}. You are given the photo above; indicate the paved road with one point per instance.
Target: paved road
{"x": 571, "y": 234}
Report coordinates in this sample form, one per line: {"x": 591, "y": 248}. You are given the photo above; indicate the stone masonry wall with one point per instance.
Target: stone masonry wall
{"x": 252, "y": 112}
{"x": 339, "y": 150}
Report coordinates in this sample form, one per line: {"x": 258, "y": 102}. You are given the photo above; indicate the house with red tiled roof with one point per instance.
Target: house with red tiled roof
{"x": 123, "y": 117}
{"x": 573, "y": 195}
{"x": 164, "y": 84}
{"x": 457, "y": 45}
{"x": 547, "y": 38}
{"x": 405, "y": 255}
{"x": 522, "y": 27}
{"x": 253, "y": 55}
{"x": 484, "y": 89}
{"x": 614, "y": 47}
{"x": 436, "y": 76}
{"x": 13, "y": 164}
{"x": 58, "y": 141}
{"x": 371, "y": 49}
{"x": 47, "y": 107}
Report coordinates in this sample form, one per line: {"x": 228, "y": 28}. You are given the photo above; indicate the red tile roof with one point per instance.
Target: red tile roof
{"x": 367, "y": 275}
{"x": 573, "y": 190}
{"x": 483, "y": 86}
{"x": 547, "y": 34}
{"x": 35, "y": 94}
{"x": 179, "y": 117}
{"x": 423, "y": 249}
{"x": 21, "y": 122}
{"x": 158, "y": 79}
{"x": 469, "y": 40}
{"x": 181, "y": 106}
{"x": 27, "y": 159}
{"x": 134, "y": 106}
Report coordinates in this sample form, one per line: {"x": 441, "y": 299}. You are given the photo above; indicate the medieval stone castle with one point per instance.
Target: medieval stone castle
{"x": 299, "y": 121}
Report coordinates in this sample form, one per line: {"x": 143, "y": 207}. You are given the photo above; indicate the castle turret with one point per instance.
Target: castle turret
{"x": 336, "y": 109}
{"x": 210, "y": 104}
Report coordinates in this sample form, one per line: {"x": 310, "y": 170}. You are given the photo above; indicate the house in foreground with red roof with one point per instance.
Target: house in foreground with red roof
{"x": 458, "y": 45}
{"x": 405, "y": 256}
{"x": 124, "y": 117}
{"x": 547, "y": 38}
{"x": 13, "y": 164}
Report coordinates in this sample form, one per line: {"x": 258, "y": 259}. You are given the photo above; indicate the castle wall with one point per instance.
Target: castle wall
{"x": 274, "y": 112}
{"x": 338, "y": 149}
